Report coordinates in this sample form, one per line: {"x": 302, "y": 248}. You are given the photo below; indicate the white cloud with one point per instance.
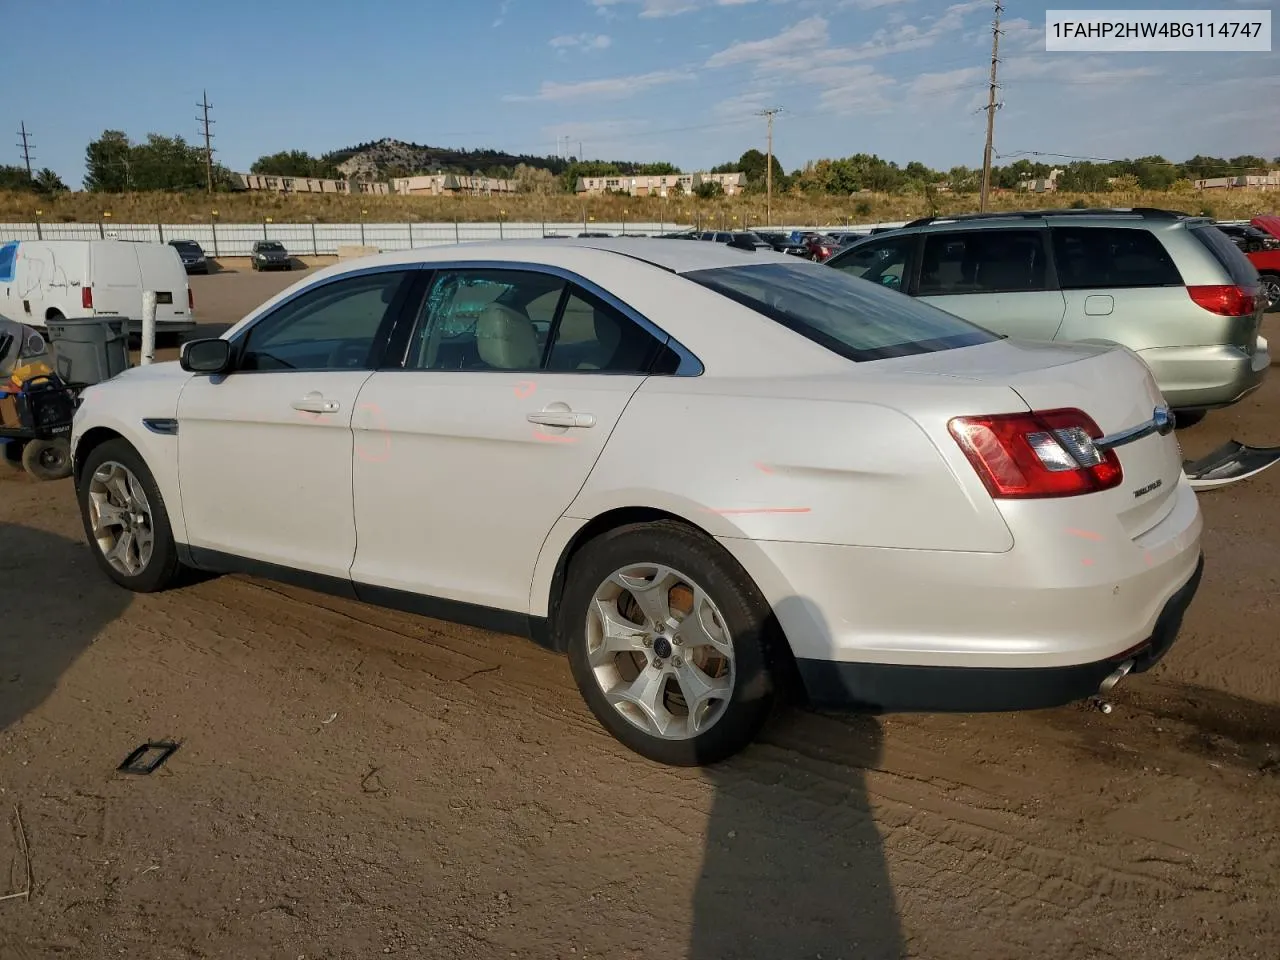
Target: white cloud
{"x": 802, "y": 36}
{"x": 582, "y": 41}
{"x": 945, "y": 87}
{"x": 666, "y": 8}
{"x": 608, "y": 88}
{"x": 852, "y": 89}
{"x": 869, "y": 4}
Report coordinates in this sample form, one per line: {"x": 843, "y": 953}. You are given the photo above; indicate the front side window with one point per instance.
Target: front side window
{"x": 983, "y": 261}
{"x": 887, "y": 262}
{"x": 855, "y": 319}
{"x": 1091, "y": 258}
{"x": 332, "y": 326}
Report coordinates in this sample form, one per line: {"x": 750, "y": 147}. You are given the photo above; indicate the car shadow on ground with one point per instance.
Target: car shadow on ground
{"x": 55, "y": 602}
{"x": 794, "y": 864}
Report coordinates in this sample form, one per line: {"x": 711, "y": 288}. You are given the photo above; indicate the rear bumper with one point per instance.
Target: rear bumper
{"x": 1207, "y": 376}
{"x": 909, "y": 687}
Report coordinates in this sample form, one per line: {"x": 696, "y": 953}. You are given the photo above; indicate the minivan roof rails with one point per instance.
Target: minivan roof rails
{"x": 1146, "y": 213}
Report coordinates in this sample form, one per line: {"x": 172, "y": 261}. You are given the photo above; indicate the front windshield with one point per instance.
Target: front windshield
{"x": 851, "y": 317}
{"x": 272, "y": 247}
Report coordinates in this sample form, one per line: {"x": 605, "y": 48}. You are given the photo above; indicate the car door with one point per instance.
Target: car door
{"x": 999, "y": 278}
{"x": 468, "y": 454}
{"x": 264, "y": 452}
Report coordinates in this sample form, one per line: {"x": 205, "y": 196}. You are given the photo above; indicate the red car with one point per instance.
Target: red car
{"x": 1267, "y": 262}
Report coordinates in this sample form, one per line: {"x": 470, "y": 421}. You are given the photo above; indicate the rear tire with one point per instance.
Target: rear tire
{"x": 116, "y": 489}
{"x": 694, "y": 626}
{"x": 47, "y": 459}
{"x": 1271, "y": 290}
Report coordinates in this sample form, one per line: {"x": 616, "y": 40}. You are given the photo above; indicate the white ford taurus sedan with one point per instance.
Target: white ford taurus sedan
{"x": 708, "y": 475}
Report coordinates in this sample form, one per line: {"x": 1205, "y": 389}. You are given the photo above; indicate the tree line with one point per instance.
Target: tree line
{"x": 116, "y": 164}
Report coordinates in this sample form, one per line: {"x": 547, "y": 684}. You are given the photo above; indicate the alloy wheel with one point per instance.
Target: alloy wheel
{"x": 660, "y": 650}
{"x": 120, "y": 517}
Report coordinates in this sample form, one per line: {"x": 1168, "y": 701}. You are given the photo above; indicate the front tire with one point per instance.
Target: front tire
{"x": 125, "y": 519}
{"x": 670, "y": 643}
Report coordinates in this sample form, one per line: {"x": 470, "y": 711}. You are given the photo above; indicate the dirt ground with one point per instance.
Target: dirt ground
{"x": 353, "y": 782}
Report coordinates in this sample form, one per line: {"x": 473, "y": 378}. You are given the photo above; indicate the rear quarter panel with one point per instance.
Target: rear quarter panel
{"x": 815, "y": 462}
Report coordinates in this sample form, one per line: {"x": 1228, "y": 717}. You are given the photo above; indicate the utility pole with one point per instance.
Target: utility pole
{"x": 208, "y": 138}
{"x": 25, "y": 146}
{"x": 770, "y": 113}
{"x": 992, "y": 107}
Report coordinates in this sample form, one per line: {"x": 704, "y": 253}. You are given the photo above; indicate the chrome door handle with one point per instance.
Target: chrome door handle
{"x": 314, "y": 403}
{"x": 562, "y": 418}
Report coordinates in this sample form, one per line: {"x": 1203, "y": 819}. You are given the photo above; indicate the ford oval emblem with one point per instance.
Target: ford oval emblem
{"x": 1163, "y": 419}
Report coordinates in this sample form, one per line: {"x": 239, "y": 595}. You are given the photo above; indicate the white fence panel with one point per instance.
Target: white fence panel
{"x": 323, "y": 239}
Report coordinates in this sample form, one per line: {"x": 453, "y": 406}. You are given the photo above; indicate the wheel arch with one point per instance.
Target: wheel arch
{"x": 86, "y": 444}
{"x": 786, "y": 674}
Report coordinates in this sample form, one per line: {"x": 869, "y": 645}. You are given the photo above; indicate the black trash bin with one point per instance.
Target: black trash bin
{"x": 88, "y": 350}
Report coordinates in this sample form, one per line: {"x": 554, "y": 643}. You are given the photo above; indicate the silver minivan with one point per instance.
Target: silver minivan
{"x": 1170, "y": 287}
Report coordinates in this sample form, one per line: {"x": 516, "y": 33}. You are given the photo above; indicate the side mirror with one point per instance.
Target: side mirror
{"x": 205, "y": 356}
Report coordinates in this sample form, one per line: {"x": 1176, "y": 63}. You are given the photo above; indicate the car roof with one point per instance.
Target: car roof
{"x": 667, "y": 254}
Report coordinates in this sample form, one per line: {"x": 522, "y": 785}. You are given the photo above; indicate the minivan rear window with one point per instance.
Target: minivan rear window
{"x": 1237, "y": 265}
{"x": 854, "y": 318}
{"x": 1101, "y": 258}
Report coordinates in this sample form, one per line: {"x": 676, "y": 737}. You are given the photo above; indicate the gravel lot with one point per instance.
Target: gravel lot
{"x": 356, "y": 782}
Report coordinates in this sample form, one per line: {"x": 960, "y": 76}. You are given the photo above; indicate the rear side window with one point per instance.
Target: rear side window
{"x": 853, "y": 318}
{"x": 983, "y": 261}
{"x": 1110, "y": 257}
{"x": 887, "y": 262}
{"x": 1237, "y": 265}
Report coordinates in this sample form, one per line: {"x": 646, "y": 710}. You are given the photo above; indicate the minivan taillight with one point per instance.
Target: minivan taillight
{"x": 1229, "y": 300}
{"x": 191, "y": 299}
{"x": 1042, "y": 454}
{"x": 86, "y": 298}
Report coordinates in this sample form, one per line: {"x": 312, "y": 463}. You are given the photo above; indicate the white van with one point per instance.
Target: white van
{"x": 43, "y": 280}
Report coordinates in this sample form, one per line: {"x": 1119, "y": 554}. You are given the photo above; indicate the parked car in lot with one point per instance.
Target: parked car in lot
{"x": 698, "y": 470}
{"x": 820, "y": 246}
{"x": 192, "y": 256}
{"x": 1172, "y": 288}
{"x": 783, "y": 243}
{"x": 43, "y": 281}
{"x": 1267, "y": 261}
{"x": 1248, "y": 238}
{"x": 270, "y": 255}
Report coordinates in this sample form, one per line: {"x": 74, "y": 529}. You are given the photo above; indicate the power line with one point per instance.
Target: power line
{"x": 208, "y": 138}
{"x": 25, "y": 146}
{"x": 770, "y": 113}
{"x": 992, "y": 106}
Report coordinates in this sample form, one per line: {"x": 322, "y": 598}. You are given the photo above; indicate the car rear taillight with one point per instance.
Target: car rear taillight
{"x": 1229, "y": 300}
{"x": 1045, "y": 454}
{"x": 191, "y": 299}
{"x": 824, "y": 252}
{"x": 86, "y": 298}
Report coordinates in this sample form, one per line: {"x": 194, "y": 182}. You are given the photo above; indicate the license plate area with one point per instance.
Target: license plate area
{"x": 164, "y": 296}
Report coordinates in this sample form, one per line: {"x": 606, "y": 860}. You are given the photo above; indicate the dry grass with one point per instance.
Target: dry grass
{"x": 732, "y": 211}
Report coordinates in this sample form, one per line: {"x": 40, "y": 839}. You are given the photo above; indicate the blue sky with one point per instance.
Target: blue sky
{"x": 676, "y": 80}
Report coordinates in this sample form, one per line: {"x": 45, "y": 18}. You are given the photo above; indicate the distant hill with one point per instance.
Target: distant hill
{"x": 387, "y": 158}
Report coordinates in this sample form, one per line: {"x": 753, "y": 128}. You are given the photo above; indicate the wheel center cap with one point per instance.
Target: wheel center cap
{"x": 662, "y": 647}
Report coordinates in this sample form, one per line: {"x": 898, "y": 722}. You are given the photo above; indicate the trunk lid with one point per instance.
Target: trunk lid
{"x": 1111, "y": 384}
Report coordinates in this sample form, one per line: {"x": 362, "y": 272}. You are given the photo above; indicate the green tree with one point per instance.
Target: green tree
{"x": 15, "y": 178}
{"x": 709, "y": 190}
{"x": 107, "y": 161}
{"x": 296, "y": 163}
{"x": 46, "y": 181}
{"x": 657, "y": 169}
{"x": 753, "y": 163}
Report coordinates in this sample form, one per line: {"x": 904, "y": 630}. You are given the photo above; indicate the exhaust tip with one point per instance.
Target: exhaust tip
{"x": 1116, "y": 675}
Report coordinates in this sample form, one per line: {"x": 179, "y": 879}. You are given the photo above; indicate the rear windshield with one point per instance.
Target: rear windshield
{"x": 856, "y": 319}
{"x": 1236, "y": 264}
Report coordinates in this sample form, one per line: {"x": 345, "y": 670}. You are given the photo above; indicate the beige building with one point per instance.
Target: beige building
{"x": 443, "y": 184}
{"x": 257, "y": 181}
{"x": 659, "y": 185}
{"x": 1270, "y": 181}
